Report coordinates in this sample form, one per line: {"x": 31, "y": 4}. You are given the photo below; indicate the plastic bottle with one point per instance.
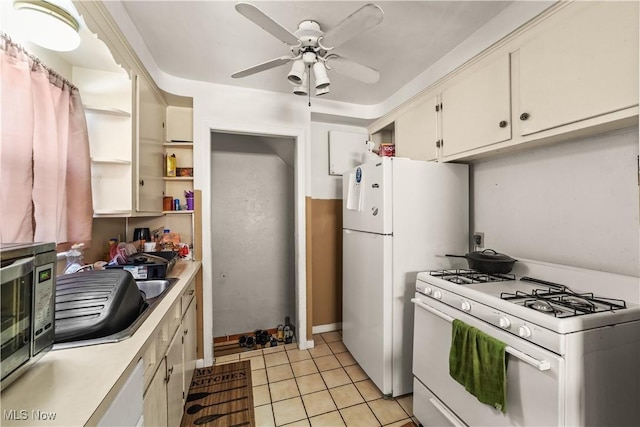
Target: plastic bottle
{"x": 74, "y": 259}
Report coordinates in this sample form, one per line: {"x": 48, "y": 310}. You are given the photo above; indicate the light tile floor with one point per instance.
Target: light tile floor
{"x": 319, "y": 387}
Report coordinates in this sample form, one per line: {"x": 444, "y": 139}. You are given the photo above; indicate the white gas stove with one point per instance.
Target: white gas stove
{"x": 573, "y": 351}
{"x": 533, "y": 309}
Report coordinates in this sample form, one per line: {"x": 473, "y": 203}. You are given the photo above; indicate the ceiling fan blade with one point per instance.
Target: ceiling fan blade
{"x": 263, "y": 67}
{"x": 352, "y": 69}
{"x": 366, "y": 17}
{"x": 254, "y": 14}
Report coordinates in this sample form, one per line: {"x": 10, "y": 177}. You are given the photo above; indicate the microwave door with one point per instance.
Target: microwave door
{"x": 15, "y": 303}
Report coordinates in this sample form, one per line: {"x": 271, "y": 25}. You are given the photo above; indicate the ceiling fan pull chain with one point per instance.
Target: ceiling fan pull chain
{"x": 309, "y": 84}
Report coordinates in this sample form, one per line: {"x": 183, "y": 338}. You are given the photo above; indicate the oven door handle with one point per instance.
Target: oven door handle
{"x": 453, "y": 419}
{"x": 542, "y": 365}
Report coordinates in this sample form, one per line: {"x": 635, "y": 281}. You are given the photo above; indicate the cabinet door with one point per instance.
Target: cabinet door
{"x": 477, "y": 109}
{"x": 189, "y": 347}
{"x": 416, "y": 132}
{"x": 583, "y": 66}
{"x": 150, "y": 149}
{"x": 175, "y": 380}
{"x": 179, "y": 124}
{"x": 155, "y": 399}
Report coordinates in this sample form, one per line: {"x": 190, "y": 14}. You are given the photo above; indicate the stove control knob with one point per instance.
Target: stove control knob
{"x": 428, "y": 290}
{"x": 524, "y": 331}
{"x": 466, "y": 306}
{"x": 504, "y": 323}
{"x": 437, "y": 294}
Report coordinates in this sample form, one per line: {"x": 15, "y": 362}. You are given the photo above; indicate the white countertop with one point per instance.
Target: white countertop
{"x": 78, "y": 384}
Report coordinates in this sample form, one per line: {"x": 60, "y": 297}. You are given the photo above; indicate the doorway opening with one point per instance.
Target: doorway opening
{"x": 252, "y": 233}
{"x": 254, "y": 270}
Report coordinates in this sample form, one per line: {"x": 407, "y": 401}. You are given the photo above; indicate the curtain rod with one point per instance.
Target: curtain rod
{"x": 7, "y": 40}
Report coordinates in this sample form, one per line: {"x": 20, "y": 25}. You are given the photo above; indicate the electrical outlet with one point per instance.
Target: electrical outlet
{"x": 478, "y": 239}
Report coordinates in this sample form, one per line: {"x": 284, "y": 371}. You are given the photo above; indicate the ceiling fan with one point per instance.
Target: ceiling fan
{"x": 312, "y": 48}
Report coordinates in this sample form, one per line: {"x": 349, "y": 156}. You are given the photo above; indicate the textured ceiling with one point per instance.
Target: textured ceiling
{"x": 209, "y": 40}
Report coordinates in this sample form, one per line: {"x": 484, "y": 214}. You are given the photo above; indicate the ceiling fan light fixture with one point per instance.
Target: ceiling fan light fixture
{"x": 320, "y": 75}
{"x": 322, "y": 91}
{"x": 301, "y": 89}
{"x": 297, "y": 71}
{"x": 51, "y": 24}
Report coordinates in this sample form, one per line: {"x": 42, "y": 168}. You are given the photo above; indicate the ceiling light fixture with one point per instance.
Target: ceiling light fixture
{"x": 50, "y": 24}
{"x": 322, "y": 91}
{"x": 302, "y": 88}
{"x": 320, "y": 75}
{"x": 297, "y": 70}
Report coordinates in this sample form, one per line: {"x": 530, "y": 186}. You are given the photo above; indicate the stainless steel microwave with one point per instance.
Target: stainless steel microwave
{"x": 27, "y": 298}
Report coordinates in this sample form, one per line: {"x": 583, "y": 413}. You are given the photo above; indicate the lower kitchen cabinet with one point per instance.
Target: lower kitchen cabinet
{"x": 189, "y": 347}
{"x": 165, "y": 395}
{"x": 175, "y": 380}
{"x": 155, "y": 399}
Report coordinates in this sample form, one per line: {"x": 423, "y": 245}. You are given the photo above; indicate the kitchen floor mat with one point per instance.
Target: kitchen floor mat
{"x": 220, "y": 396}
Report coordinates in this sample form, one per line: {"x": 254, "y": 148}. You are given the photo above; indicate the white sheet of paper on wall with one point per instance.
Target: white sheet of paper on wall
{"x": 354, "y": 195}
{"x": 345, "y": 150}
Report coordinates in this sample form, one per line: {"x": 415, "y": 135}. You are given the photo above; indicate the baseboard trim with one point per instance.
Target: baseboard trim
{"x": 321, "y": 329}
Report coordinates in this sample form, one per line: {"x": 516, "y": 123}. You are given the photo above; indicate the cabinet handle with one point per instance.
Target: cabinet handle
{"x": 503, "y": 124}
{"x": 524, "y": 116}
{"x": 169, "y": 372}
{"x": 142, "y": 182}
{"x": 186, "y": 331}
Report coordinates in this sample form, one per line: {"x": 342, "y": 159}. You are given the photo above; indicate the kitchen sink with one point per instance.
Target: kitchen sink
{"x": 153, "y": 291}
{"x": 153, "y": 288}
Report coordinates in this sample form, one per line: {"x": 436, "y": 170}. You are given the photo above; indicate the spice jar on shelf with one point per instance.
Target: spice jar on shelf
{"x": 167, "y": 203}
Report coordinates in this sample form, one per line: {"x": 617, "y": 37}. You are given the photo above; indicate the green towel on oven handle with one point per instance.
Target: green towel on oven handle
{"x": 479, "y": 363}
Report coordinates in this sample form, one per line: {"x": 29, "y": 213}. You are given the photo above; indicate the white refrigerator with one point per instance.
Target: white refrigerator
{"x": 400, "y": 217}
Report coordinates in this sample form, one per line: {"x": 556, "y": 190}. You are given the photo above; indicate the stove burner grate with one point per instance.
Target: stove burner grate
{"x": 563, "y": 302}
{"x": 467, "y": 276}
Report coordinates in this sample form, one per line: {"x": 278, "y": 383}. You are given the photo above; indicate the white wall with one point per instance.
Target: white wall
{"x": 574, "y": 203}
{"x": 323, "y": 185}
{"x": 252, "y": 235}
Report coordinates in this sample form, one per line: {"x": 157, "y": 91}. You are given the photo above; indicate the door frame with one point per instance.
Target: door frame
{"x": 202, "y": 180}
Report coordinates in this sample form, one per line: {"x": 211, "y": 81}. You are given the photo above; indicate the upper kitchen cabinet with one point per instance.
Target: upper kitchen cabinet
{"x": 416, "y": 131}
{"x": 108, "y": 100}
{"x": 179, "y": 143}
{"x": 583, "y": 66}
{"x": 383, "y": 135}
{"x": 125, "y": 119}
{"x": 571, "y": 72}
{"x": 179, "y": 124}
{"x": 476, "y": 110}
{"x": 150, "y": 137}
